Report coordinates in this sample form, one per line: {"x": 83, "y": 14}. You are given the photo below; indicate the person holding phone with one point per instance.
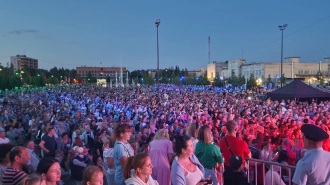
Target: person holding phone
{"x": 186, "y": 168}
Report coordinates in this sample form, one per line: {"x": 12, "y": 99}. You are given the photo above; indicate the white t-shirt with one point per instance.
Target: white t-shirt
{"x": 4, "y": 141}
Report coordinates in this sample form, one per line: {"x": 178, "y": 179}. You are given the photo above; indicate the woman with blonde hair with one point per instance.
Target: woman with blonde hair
{"x": 92, "y": 176}
{"x": 138, "y": 170}
{"x": 33, "y": 179}
{"x": 192, "y": 132}
{"x": 208, "y": 154}
{"x": 161, "y": 154}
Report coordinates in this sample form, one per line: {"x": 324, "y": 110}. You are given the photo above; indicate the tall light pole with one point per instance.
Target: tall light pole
{"x": 282, "y": 28}
{"x": 157, "y": 23}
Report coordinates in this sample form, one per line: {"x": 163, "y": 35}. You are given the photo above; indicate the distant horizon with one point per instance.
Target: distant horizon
{"x": 70, "y": 34}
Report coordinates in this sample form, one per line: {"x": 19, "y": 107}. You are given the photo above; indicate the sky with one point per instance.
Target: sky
{"x": 107, "y": 33}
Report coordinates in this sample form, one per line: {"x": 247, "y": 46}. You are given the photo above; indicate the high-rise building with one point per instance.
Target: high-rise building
{"x": 22, "y": 61}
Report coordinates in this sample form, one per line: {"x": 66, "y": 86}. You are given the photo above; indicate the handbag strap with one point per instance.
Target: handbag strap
{"x": 228, "y": 146}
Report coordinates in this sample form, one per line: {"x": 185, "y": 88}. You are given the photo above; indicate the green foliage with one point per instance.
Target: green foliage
{"x": 283, "y": 79}
{"x": 251, "y": 83}
{"x": 269, "y": 80}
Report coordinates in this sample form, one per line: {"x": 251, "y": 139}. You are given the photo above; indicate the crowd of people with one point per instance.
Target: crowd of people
{"x": 166, "y": 134}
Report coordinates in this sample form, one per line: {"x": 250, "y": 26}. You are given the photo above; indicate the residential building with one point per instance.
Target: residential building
{"x": 22, "y": 61}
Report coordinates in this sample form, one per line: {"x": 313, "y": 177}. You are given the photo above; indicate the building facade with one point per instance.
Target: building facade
{"x": 101, "y": 72}
{"x": 216, "y": 69}
{"x": 292, "y": 68}
{"x": 22, "y": 61}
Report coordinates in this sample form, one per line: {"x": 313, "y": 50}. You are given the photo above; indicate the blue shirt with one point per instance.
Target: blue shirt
{"x": 121, "y": 150}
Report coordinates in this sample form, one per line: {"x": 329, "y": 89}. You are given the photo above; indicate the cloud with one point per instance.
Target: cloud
{"x": 45, "y": 37}
{"x": 19, "y": 32}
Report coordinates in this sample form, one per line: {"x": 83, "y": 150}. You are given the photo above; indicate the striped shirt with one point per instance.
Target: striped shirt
{"x": 12, "y": 176}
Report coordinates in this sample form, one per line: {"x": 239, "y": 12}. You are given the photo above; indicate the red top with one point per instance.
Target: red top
{"x": 237, "y": 146}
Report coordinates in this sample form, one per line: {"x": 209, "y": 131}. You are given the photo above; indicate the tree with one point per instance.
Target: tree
{"x": 269, "y": 80}
{"x": 251, "y": 83}
{"x": 283, "y": 79}
{"x": 241, "y": 80}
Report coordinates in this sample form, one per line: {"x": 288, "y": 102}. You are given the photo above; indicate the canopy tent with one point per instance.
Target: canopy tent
{"x": 297, "y": 89}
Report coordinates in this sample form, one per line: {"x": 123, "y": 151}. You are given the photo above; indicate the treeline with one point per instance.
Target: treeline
{"x": 29, "y": 77}
{"x": 171, "y": 75}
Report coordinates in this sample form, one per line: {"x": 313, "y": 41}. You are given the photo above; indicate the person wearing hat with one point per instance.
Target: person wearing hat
{"x": 313, "y": 167}
{"x": 235, "y": 176}
{"x": 3, "y": 138}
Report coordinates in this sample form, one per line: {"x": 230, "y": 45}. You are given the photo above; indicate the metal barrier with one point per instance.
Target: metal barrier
{"x": 256, "y": 162}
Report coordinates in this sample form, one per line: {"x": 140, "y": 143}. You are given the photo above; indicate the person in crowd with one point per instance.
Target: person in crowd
{"x": 93, "y": 176}
{"x": 276, "y": 179}
{"x": 161, "y": 154}
{"x": 48, "y": 143}
{"x": 34, "y": 179}
{"x": 283, "y": 158}
{"x": 11, "y": 135}
{"x": 64, "y": 146}
{"x": 19, "y": 158}
{"x": 230, "y": 145}
{"x": 78, "y": 164}
{"x": 266, "y": 153}
{"x": 50, "y": 170}
{"x": 98, "y": 162}
{"x": 4, "y": 157}
{"x": 311, "y": 167}
{"x": 122, "y": 150}
{"x": 193, "y": 133}
{"x": 34, "y": 160}
{"x": 138, "y": 170}
{"x": 287, "y": 145}
{"x": 204, "y": 148}
{"x": 235, "y": 175}
{"x": 186, "y": 168}
{"x": 3, "y": 138}
{"x": 253, "y": 147}
{"x": 109, "y": 161}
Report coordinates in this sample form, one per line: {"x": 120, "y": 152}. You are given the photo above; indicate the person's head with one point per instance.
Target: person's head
{"x": 65, "y": 135}
{"x": 193, "y": 130}
{"x": 2, "y": 132}
{"x": 205, "y": 134}
{"x": 92, "y": 176}
{"x": 184, "y": 146}
{"x": 4, "y": 153}
{"x": 34, "y": 179}
{"x": 97, "y": 160}
{"x": 266, "y": 146}
{"x": 162, "y": 134}
{"x": 49, "y": 169}
{"x": 123, "y": 131}
{"x": 231, "y": 126}
{"x": 141, "y": 163}
{"x": 313, "y": 136}
{"x": 19, "y": 156}
{"x": 283, "y": 156}
{"x": 51, "y": 131}
{"x": 30, "y": 145}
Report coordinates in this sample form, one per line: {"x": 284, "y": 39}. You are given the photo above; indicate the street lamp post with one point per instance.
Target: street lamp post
{"x": 282, "y": 28}
{"x": 157, "y": 23}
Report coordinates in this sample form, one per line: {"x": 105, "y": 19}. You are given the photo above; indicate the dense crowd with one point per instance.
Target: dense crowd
{"x": 167, "y": 134}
